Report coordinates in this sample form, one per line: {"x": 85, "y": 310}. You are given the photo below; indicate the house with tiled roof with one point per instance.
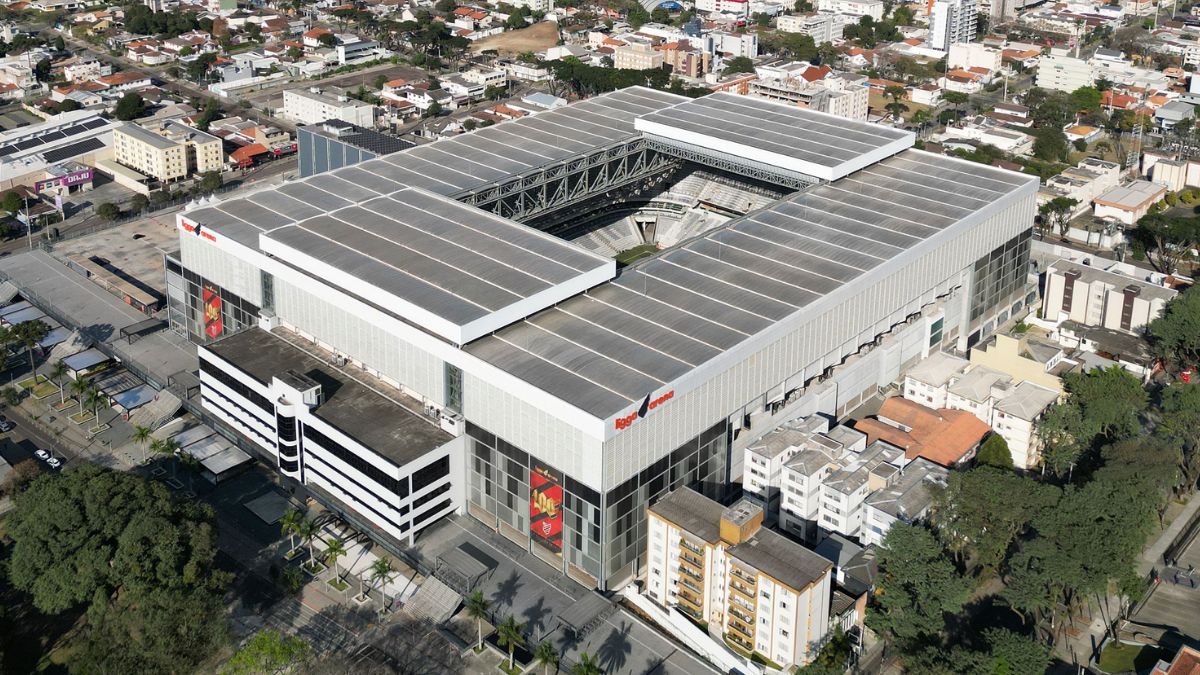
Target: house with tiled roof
{"x": 943, "y": 436}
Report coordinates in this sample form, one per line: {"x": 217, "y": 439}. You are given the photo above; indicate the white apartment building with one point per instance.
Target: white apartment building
{"x": 871, "y": 8}
{"x": 764, "y": 460}
{"x": 730, "y": 44}
{"x": 752, "y": 586}
{"x": 820, "y": 26}
{"x": 314, "y": 106}
{"x": 1095, "y": 297}
{"x": 1010, "y": 408}
{"x": 740, "y": 8}
{"x": 845, "y": 490}
{"x": 951, "y": 22}
{"x": 906, "y": 500}
{"x": 1060, "y": 71}
{"x": 1084, "y": 183}
{"x": 842, "y": 94}
{"x": 546, "y": 6}
{"x": 637, "y": 56}
{"x": 968, "y": 55}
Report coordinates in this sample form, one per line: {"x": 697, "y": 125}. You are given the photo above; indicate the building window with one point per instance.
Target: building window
{"x": 454, "y": 387}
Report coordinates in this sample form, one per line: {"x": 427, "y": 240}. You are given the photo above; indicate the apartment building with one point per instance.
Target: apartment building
{"x": 637, "y": 56}
{"x": 817, "y": 88}
{"x": 1007, "y": 403}
{"x": 1060, "y": 71}
{"x": 1095, "y": 297}
{"x": 1025, "y": 358}
{"x": 740, "y": 8}
{"x": 765, "y": 459}
{"x": 906, "y": 500}
{"x": 952, "y": 22}
{"x": 167, "y": 151}
{"x": 820, "y": 26}
{"x": 1084, "y": 183}
{"x": 315, "y": 105}
{"x": 756, "y": 588}
{"x": 871, "y": 8}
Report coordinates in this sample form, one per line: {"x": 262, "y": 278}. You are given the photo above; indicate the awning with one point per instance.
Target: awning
{"x": 89, "y": 358}
{"x": 28, "y": 314}
{"x": 193, "y": 435}
{"x": 135, "y": 398}
{"x": 8, "y": 291}
{"x": 223, "y": 461}
{"x": 116, "y": 382}
{"x": 15, "y": 307}
{"x": 55, "y": 336}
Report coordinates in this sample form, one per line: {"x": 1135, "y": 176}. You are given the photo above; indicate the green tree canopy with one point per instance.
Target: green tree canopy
{"x": 995, "y": 452}
{"x": 981, "y": 513}
{"x": 1049, "y": 144}
{"x": 918, "y": 587}
{"x": 1086, "y": 99}
{"x": 739, "y": 64}
{"x": 1167, "y": 239}
{"x": 1175, "y": 335}
{"x": 131, "y": 106}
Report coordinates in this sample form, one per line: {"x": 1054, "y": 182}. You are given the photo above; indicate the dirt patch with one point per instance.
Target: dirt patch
{"x": 536, "y": 38}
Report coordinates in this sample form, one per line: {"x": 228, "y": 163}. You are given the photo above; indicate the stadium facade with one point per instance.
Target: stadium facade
{"x": 407, "y": 338}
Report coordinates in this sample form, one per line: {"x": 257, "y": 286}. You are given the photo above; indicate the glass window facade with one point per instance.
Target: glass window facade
{"x": 998, "y": 278}
{"x": 602, "y": 535}
{"x": 185, "y": 305}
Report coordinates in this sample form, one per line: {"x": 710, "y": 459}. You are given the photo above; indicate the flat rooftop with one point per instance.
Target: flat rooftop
{"x": 382, "y": 423}
{"x": 453, "y": 166}
{"x": 691, "y": 511}
{"x": 781, "y": 558}
{"x": 780, "y": 135}
{"x": 605, "y": 350}
{"x": 147, "y": 136}
{"x": 451, "y": 268}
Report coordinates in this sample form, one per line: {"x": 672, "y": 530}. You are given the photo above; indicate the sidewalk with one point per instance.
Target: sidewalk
{"x": 1153, "y": 555}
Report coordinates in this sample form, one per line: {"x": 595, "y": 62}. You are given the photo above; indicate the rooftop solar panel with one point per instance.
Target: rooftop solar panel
{"x": 73, "y": 150}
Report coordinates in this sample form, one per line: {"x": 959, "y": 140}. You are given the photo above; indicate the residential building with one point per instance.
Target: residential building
{"x": 906, "y": 500}
{"x": 943, "y": 436}
{"x": 736, "y": 8}
{"x": 763, "y": 467}
{"x": 315, "y": 105}
{"x": 820, "y": 26}
{"x": 969, "y": 55}
{"x": 1024, "y": 358}
{"x": 1083, "y": 183}
{"x": 1126, "y": 204}
{"x": 168, "y": 151}
{"x": 928, "y": 381}
{"x": 1172, "y": 113}
{"x": 335, "y": 144}
{"x": 1060, "y": 71}
{"x": 811, "y": 459}
{"x": 1105, "y": 298}
{"x": 1015, "y": 418}
{"x": 952, "y": 22}
{"x": 753, "y": 586}
{"x": 637, "y": 56}
{"x": 820, "y": 89}
{"x": 871, "y": 8}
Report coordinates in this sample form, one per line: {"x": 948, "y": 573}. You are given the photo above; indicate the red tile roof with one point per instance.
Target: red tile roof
{"x": 942, "y": 436}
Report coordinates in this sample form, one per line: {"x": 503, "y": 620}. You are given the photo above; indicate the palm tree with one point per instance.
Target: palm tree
{"x": 168, "y": 448}
{"x": 508, "y": 634}
{"x": 290, "y": 524}
{"x": 57, "y": 373}
{"x": 308, "y": 530}
{"x": 586, "y": 665}
{"x": 334, "y": 550}
{"x": 95, "y": 399}
{"x": 29, "y": 333}
{"x": 546, "y": 655}
{"x": 79, "y": 388}
{"x": 141, "y": 436}
{"x": 477, "y": 608}
{"x": 381, "y": 572}
{"x": 920, "y": 118}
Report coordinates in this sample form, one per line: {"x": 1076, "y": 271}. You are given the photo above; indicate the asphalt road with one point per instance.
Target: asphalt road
{"x": 19, "y": 444}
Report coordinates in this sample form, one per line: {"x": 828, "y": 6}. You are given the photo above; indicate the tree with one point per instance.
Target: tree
{"x": 96, "y": 399}
{"x": 335, "y": 549}
{"x": 141, "y": 436}
{"x": 982, "y": 512}
{"x": 586, "y": 665}
{"x": 994, "y": 452}
{"x": 327, "y": 40}
{"x": 130, "y": 106}
{"x": 294, "y": 53}
{"x": 269, "y": 651}
{"x": 1086, "y": 99}
{"x": 308, "y": 530}
{"x": 108, "y": 211}
{"x": 58, "y": 372}
{"x": 69, "y": 105}
{"x": 1111, "y": 400}
{"x": 19, "y": 478}
{"x": 1012, "y": 653}
{"x": 41, "y": 70}
{"x": 12, "y": 202}
{"x": 290, "y": 526}
{"x": 833, "y": 657}
{"x": 211, "y": 182}
{"x": 546, "y": 655}
{"x": 433, "y": 110}
{"x": 140, "y": 562}
{"x": 139, "y": 203}
{"x": 1056, "y": 214}
{"x": 738, "y": 64}
{"x": 477, "y": 608}
{"x": 167, "y": 448}
{"x": 197, "y": 69}
{"x": 59, "y": 44}
{"x": 80, "y": 389}
{"x": 1175, "y": 334}
{"x": 1167, "y": 240}
{"x": 918, "y": 586}
{"x": 1179, "y": 410}
{"x": 29, "y": 334}
{"x": 381, "y": 574}
{"x": 1049, "y": 144}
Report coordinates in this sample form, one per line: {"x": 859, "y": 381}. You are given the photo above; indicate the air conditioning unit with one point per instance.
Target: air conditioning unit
{"x": 267, "y": 320}
{"x": 452, "y": 423}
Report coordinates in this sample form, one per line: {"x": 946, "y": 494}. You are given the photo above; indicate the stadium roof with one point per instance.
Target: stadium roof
{"x": 780, "y": 135}
{"x": 452, "y": 166}
{"x": 455, "y": 270}
{"x": 609, "y": 349}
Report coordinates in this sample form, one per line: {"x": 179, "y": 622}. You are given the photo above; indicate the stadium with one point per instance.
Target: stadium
{"x": 449, "y": 329}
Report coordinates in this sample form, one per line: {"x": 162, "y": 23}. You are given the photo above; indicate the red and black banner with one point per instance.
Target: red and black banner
{"x": 212, "y": 313}
{"x": 545, "y": 508}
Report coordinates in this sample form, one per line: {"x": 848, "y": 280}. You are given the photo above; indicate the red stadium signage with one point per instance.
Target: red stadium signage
{"x": 643, "y": 410}
{"x": 545, "y": 508}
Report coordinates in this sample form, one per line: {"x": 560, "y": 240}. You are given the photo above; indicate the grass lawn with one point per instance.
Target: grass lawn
{"x": 1118, "y": 657}
{"x": 45, "y": 390}
{"x": 29, "y": 382}
{"x": 338, "y": 584}
{"x": 80, "y": 419}
{"x": 636, "y": 253}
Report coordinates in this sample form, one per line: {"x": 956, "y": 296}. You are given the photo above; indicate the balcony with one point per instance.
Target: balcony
{"x": 689, "y": 546}
{"x": 687, "y": 599}
{"x": 740, "y": 603}
{"x": 690, "y": 573}
{"x": 747, "y": 592}
{"x": 744, "y": 632}
{"x": 690, "y": 586}
{"x": 743, "y": 576}
{"x": 741, "y": 616}
{"x": 692, "y": 560}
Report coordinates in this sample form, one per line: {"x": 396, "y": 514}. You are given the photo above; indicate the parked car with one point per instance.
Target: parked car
{"x": 54, "y": 463}
{"x": 5, "y": 425}
{"x": 42, "y": 454}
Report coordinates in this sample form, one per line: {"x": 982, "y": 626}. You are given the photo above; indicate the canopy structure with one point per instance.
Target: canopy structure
{"x": 85, "y": 360}
{"x": 134, "y": 331}
{"x": 132, "y": 399}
